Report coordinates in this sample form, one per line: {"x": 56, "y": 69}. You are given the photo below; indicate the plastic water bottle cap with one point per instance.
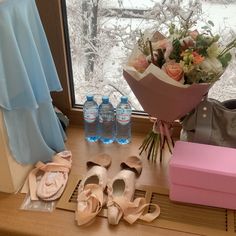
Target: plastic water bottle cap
{"x": 105, "y": 99}
{"x": 89, "y": 97}
{"x": 124, "y": 99}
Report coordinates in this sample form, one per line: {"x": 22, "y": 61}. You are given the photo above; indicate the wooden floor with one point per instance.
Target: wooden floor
{"x": 17, "y": 222}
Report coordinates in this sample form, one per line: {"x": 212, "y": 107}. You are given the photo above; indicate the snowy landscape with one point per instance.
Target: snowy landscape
{"x": 99, "y": 53}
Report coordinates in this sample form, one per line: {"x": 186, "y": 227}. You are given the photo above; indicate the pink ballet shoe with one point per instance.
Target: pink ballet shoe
{"x": 53, "y": 177}
{"x": 120, "y": 197}
{"x": 91, "y": 196}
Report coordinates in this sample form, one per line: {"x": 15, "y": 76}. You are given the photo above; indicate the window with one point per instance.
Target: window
{"x": 52, "y": 18}
{"x": 101, "y": 36}
{"x": 51, "y": 13}
{"x": 102, "y": 33}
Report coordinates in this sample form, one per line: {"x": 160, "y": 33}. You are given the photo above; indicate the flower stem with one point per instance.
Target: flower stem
{"x": 151, "y": 51}
{"x": 156, "y": 147}
{"x": 146, "y": 142}
{"x": 168, "y": 144}
{"x": 152, "y": 144}
{"x": 150, "y": 148}
{"x": 160, "y": 146}
{"x": 228, "y": 47}
{"x": 153, "y": 157}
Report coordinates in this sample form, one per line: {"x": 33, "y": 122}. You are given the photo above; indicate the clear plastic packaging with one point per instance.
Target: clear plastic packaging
{"x": 38, "y": 205}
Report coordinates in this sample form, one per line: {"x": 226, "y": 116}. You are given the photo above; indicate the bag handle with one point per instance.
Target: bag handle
{"x": 203, "y": 127}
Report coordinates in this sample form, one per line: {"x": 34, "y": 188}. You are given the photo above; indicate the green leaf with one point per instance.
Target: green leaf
{"x": 175, "y": 54}
{"x": 225, "y": 59}
{"x": 211, "y": 23}
{"x": 172, "y": 29}
{"x": 205, "y": 27}
{"x": 216, "y": 37}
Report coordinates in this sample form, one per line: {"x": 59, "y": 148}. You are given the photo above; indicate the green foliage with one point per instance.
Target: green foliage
{"x": 143, "y": 45}
{"x": 175, "y": 54}
{"x": 172, "y": 29}
{"x": 225, "y": 59}
{"x": 211, "y": 23}
{"x": 191, "y": 49}
{"x": 203, "y": 43}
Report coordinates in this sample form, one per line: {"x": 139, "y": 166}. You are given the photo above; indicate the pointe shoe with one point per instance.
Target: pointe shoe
{"x": 91, "y": 195}
{"x": 53, "y": 178}
{"x": 121, "y": 192}
{"x": 101, "y": 159}
{"x": 132, "y": 163}
{"x": 54, "y": 181}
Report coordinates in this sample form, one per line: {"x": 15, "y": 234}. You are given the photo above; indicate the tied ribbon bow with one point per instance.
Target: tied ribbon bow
{"x": 163, "y": 128}
{"x": 133, "y": 211}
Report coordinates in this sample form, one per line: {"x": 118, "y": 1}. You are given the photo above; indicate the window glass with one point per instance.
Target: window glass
{"x": 130, "y": 4}
{"x": 102, "y": 34}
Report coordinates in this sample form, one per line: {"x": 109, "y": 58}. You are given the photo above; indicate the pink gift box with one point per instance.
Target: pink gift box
{"x": 203, "y": 174}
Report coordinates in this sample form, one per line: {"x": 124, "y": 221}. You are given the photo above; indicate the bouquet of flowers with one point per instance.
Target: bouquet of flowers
{"x": 170, "y": 76}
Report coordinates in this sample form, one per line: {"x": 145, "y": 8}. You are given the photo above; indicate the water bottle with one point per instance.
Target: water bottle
{"x": 106, "y": 121}
{"x": 123, "y": 121}
{"x": 90, "y": 111}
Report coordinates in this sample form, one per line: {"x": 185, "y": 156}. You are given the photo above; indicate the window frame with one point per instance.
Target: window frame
{"x": 106, "y": 12}
{"x": 51, "y": 13}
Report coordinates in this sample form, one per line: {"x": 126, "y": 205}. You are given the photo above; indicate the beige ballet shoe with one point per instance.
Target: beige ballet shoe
{"x": 53, "y": 177}
{"x": 91, "y": 195}
{"x": 120, "y": 196}
{"x": 101, "y": 159}
{"x": 132, "y": 163}
{"x": 121, "y": 187}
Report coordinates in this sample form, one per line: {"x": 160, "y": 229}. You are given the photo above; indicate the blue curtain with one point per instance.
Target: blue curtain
{"x": 27, "y": 75}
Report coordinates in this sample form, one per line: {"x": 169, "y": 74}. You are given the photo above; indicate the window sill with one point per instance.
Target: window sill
{"x": 140, "y": 124}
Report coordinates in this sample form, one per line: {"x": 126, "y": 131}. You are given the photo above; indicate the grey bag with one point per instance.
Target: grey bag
{"x": 212, "y": 122}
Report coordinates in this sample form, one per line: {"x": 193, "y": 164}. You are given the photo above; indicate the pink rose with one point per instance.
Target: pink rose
{"x": 165, "y": 45}
{"x": 140, "y": 63}
{"x": 186, "y": 43}
{"x": 194, "y": 34}
{"x": 174, "y": 70}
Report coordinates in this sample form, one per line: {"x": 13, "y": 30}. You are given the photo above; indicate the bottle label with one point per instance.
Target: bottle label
{"x": 106, "y": 117}
{"x": 123, "y": 116}
{"x": 90, "y": 115}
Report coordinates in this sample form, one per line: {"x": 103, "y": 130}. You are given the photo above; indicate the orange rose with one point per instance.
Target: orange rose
{"x": 197, "y": 59}
{"x": 174, "y": 70}
{"x": 140, "y": 63}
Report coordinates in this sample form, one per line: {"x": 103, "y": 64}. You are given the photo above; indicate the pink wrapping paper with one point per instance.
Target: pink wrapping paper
{"x": 166, "y": 100}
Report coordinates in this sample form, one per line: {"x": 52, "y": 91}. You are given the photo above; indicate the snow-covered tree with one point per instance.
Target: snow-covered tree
{"x": 103, "y": 33}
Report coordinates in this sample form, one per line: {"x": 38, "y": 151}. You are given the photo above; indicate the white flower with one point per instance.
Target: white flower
{"x": 187, "y": 42}
{"x": 213, "y": 50}
{"x": 212, "y": 65}
{"x": 164, "y": 44}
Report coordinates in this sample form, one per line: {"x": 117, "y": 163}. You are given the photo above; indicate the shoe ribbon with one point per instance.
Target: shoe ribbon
{"x": 135, "y": 210}
{"x": 61, "y": 163}
{"x": 89, "y": 203}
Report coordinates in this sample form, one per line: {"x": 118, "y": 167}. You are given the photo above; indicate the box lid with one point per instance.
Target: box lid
{"x": 204, "y": 166}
